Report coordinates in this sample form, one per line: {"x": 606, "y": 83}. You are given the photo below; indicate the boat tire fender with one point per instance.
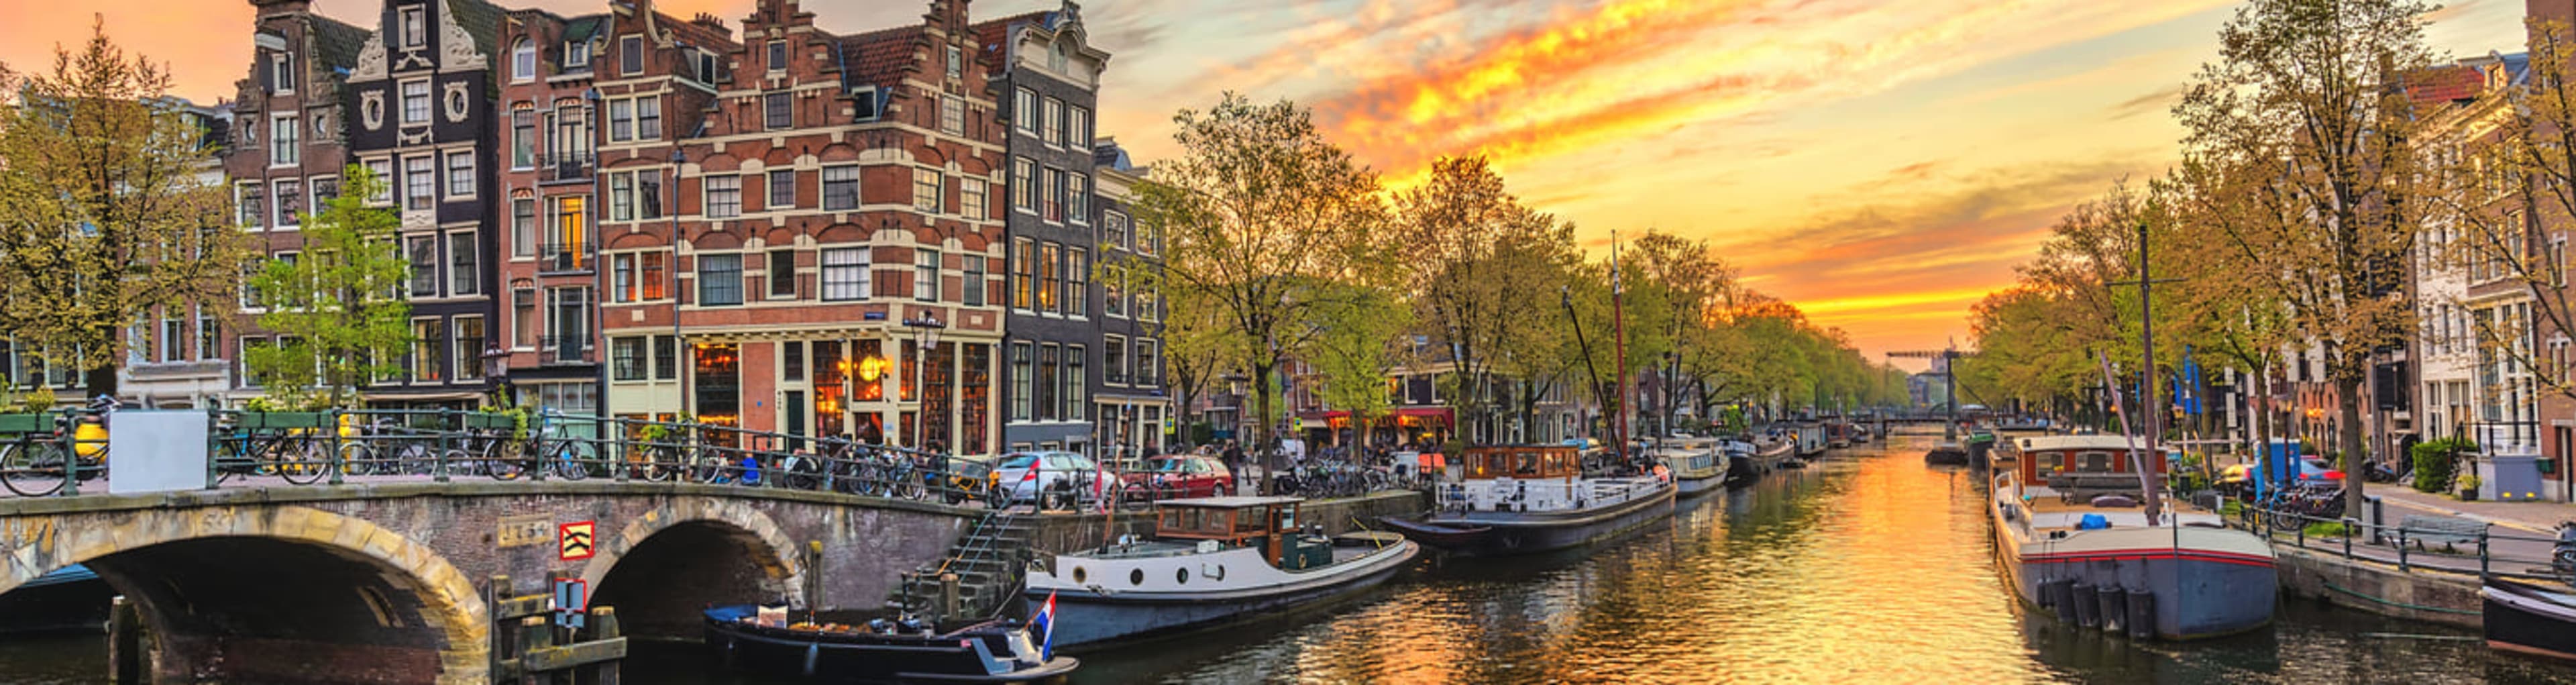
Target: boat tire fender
{"x": 2115, "y": 608}
{"x": 2142, "y": 614}
{"x": 2087, "y": 603}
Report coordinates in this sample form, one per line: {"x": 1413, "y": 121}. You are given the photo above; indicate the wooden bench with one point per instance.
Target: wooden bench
{"x": 2420, "y": 528}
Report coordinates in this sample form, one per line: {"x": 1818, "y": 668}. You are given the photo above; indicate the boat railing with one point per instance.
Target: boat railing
{"x": 2424, "y": 544}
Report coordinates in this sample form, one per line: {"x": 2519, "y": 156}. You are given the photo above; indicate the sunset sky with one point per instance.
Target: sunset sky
{"x": 1880, "y": 164}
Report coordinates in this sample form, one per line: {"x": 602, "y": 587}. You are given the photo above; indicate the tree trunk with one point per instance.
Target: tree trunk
{"x": 99, "y": 381}
{"x": 1261, "y": 429}
{"x": 2354, "y": 452}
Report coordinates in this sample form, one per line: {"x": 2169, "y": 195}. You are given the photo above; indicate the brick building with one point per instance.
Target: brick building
{"x": 546, "y": 254}
{"x": 1048, "y": 81}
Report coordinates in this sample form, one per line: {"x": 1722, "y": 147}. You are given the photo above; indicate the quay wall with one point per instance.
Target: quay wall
{"x": 2382, "y": 589}
{"x": 1064, "y": 532}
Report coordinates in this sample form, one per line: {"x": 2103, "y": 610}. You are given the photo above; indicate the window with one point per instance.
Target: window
{"x": 621, "y": 278}
{"x": 460, "y": 174}
{"x": 724, "y": 197}
{"x": 648, "y": 118}
{"x": 782, "y": 189}
{"x": 422, "y": 252}
{"x": 383, "y": 170}
{"x": 666, "y": 358}
{"x": 621, "y": 196}
{"x": 1113, "y": 229}
{"x": 863, "y": 103}
{"x": 845, "y": 274}
{"x": 974, "y": 281}
{"x": 523, "y": 60}
{"x": 1077, "y": 196}
{"x": 1024, "y": 111}
{"x": 523, "y": 317}
{"x": 252, "y": 214}
{"x": 956, "y": 63}
{"x": 571, "y": 234}
{"x": 840, "y": 188}
{"x": 523, "y": 227}
{"x": 655, "y": 275}
{"x": 1078, "y": 131}
{"x": 626, "y": 358}
{"x": 415, "y": 102}
{"x": 469, "y": 348}
{"x": 925, "y": 275}
{"x": 1052, "y": 121}
{"x": 1046, "y": 381}
{"x": 782, "y": 274}
{"x": 1024, "y": 184}
{"x": 567, "y": 325}
{"x": 1059, "y": 57}
{"x": 719, "y": 280}
{"x": 1050, "y": 278}
{"x": 1052, "y": 183}
{"x": 174, "y": 340}
{"x": 1024, "y": 273}
{"x": 1113, "y": 296}
{"x": 779, "y": 110}
{"x": 429, "y": 351}
{"x": 420, "y": 183}
{"x": 284, "y": 148}
{"x": 1149, "y": 369}
{"x": 777, "y": 55}
{"x": 1020, "y": 385}
{"x": 1076, "y": 383}
{"x": 1149, "y": 239}
{"x": 281, "y": 72}
{"x": 925, "y": 190}
{"x": 1077, "y": 281}
{"x": 970, "y": 197}
{"x": 621, "y": 120}
{"x": 577, "y": 55}
{"x": 630, "y": 54}
{"x": 415, "y": 30}
{"x": 1113, "y": 368}
{"x": 523, "y": 139}
{"x": 1148, "y": 304}
{"x": 207, "y": 335}
{"x": 464, "y": 263}
{"x": 290, "y": 202}
{"x": 952, "y": 116}
{"x": 707, "y": 66}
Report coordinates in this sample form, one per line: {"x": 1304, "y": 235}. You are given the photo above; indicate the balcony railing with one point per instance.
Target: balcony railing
{"x": 566, "y": 166}
{"x": 563, "y": 257}
{"x": 568, "y": 349}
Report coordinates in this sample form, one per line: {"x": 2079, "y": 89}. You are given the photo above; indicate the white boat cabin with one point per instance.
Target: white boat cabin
{"x": 1527, "y": 478}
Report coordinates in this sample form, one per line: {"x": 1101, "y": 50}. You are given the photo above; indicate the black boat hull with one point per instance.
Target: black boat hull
{"x": 1510, "y": 534}
{"x": 839, "y": 657}
{"x": 2527, "y": 619}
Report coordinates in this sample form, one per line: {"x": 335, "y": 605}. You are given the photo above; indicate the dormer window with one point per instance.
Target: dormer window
{"x": 707, "y": 66}
{"x": 281, "y": 72}
{"x": 415, "y": 28}
{"x": 523, "y": 60}
{"x": 630, "y": 55}
{"x": 863, "y": 103}
{"x": 577, "y": 55}
{"x": 777, "y": 56}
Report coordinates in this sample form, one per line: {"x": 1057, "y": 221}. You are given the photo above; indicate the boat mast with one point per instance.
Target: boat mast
{"x": 1619, "y": 345}
{"x": 2147, "y": 380}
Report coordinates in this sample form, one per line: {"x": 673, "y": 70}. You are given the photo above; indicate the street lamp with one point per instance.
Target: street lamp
{"x": 925, "y": 336}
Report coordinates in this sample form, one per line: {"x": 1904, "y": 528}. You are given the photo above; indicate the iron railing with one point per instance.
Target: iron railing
{"x": 566, "y": 166}
{"x": 2482, "y": 552}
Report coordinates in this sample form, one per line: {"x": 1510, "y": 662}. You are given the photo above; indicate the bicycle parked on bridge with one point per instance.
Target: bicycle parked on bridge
{"x": 551, "y": 448}
{"x": 290, "y": 450}
{"x": 41, "y": 461}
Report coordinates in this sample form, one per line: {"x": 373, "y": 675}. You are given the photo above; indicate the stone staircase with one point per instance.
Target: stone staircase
{"x": 987, "y": 561}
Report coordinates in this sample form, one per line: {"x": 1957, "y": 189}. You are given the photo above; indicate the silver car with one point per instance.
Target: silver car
{"x": 1066, "y": 477}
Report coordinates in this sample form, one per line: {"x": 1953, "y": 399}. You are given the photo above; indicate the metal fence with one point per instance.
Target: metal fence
{"x": 2433, "y": 544}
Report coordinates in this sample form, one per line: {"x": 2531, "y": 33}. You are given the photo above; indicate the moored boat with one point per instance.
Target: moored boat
{"x": 2071, "y": 532}
{"x": 2527, "y": 618}
{"x": 1211, "y": 560}
{"x": 758, "y": 640}
{"x": 1527, "y": 499}
{"x": 1698, "y": 465}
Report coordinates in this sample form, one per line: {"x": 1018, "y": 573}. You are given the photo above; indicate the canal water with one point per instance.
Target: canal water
{"x": 1867, "y": 567}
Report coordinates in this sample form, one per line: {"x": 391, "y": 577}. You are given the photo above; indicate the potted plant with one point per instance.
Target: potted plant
{"x": 2468, "y": 487}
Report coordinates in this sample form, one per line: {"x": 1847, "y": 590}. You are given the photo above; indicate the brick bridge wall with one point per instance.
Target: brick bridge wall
{"x": 384, "y": 582}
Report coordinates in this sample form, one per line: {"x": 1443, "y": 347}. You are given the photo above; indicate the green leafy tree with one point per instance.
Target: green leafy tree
{"x": 1351, "y": 357}
{"x": 1479, "y": 270}
{"x": 109, "y": 208}
{"x": 338, "y": 304}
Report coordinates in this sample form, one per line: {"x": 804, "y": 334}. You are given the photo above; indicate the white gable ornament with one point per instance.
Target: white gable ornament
{"x": 456, "y": 47}
{"x": 371, "y": 59}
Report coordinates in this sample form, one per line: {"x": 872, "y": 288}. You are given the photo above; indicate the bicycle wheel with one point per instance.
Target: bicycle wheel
{"x": 356, "y": 459}
{"x": 301, "y": 462}
{"x": 571, "y": 459}
{"x": 504, "y": 461}
{"x": 32, "y": 469}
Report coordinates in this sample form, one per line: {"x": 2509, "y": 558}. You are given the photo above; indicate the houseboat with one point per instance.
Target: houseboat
{"x": 1698, "y": 465}
{"x": 1811, "y": 439}
{"x": 1210, "y": 561}
{"x": 2072, "y": 535}
{"x": 2529, "y": 618}
{"x": 1532, "y": 498}
{"x": 766, "y": 640}
{"x": 1838, "y": 434}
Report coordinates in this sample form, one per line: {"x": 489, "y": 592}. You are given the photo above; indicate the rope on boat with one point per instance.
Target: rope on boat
{"x": 2402, "y": 605}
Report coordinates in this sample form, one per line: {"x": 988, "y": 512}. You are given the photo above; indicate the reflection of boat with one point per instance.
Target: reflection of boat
{"x": 1946, "y": 453}
{"x": 2071, "y": 534}
{"x": 1532, "y": 499}
{"x": 1212, "y": 559}
{"x": 758, "y": 640}
{"x": 1698, "y": 464}
{"x": 2529, "y": 619}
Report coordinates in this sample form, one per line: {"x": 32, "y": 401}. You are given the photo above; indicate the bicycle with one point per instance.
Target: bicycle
{"x": 567, "y": 457}
{"x": 288, "y": 453}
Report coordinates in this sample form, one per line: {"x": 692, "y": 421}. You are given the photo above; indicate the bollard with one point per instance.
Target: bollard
{"x": 534, "y": 635}
{"x": 948, "y": 597}
{"x": 603, "y": 626}
{"x": 339, "y": 460}
{"x": 2482, "y": 548}
{"x": 2401, "y": 549}
{"x": 2350, "y": 527}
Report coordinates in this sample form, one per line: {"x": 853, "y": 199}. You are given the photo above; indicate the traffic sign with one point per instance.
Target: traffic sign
{"x": 572, "y": 602}
{"x": 573, "y": 541}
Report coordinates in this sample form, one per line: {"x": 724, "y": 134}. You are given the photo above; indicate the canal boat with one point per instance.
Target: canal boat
{"x": 1838, "y": 434}
{"x": 1698, "y": 465}
{"x": 1210, "y": 561}
{"x": 1811, "y": 439}
{"x": 764, "y": 640}
{"x": 2071, "y": 534}
{"x": 2527, "y": 618}
{"x": 1525, "y": 499}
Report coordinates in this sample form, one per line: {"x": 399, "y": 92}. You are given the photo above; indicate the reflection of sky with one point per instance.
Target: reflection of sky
{"x": 1880, "y": 163}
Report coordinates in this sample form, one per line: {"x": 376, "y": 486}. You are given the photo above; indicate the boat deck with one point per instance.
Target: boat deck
{"x": 2050, "y": 511}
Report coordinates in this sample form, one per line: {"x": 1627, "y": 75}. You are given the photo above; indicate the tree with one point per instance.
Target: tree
{"x": 2247, "y": 327}
{"x": 105, "y": 211}
{"x": 1697, "y": 285}
{"x": 339, "y": 304}
{"x": 2301, "y": 97}
{"x": 1478, "y": 271}
{"x": 1353, "y": 354}
{"x": 1265, "y": 219}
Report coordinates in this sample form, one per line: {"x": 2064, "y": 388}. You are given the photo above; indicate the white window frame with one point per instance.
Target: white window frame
{"x": 285, "y": 151}
{"x": 523, "y": 60}
{"x": 844, "y": 261}
{"x": 930, "y": 271}
{"x": 577, "y": 54}
{"x": 823, "y": 188}
{"x": 415, "y": 167}
{"x": 952, "y": 115}
{"x": 707, "y": 201}
{"x": 1024, "y": 111}
{"x": 402, "y": 102}
{"x": 281, "y": 72}
{"x": 414, "y": 27}
{"x": 470, "y": 182}
{"x": 387, "y": 182}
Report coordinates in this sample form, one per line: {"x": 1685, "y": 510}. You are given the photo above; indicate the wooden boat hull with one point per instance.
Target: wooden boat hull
{"x": 1511, "y": 533}
{"x": 984, "y": 653}
{"x": 2529, "y": 619}
{"x": 1101, "y": 613}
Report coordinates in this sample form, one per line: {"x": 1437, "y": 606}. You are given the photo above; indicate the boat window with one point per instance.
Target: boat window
{"x": 1172, "y": 520}
{"x": 1080, "y": 575}
{"x": 2093, "y": 461}
{"x": 1136, "y": 577}
{"x": 1181, "y": 575}
{"x": 1526, "y": 465}
{"x": 1252, "y": 518}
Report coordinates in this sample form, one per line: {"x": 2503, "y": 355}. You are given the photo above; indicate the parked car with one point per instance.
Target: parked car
{"x": 1065, "y": 478}
{"x": 1179, "y": 475}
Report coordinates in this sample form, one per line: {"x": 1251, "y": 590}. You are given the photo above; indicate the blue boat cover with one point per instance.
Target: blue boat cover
{"x": 2092, "y": 522}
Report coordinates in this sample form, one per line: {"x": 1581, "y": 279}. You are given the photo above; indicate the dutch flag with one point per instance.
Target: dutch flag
{"x": 1044, "y": 623}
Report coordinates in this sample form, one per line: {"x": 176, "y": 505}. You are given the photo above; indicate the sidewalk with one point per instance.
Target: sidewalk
{"x": 2535, "y": 517}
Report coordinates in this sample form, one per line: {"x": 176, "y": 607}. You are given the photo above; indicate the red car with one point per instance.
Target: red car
{"x": 1179, "y": 475}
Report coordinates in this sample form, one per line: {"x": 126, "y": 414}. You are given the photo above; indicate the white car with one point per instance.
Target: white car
{"x": 1065, "y": 476}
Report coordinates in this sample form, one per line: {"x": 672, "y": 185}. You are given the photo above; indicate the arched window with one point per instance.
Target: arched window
{"x": 523, "y": 60}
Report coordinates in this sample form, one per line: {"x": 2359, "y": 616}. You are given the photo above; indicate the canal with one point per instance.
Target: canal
{"x": 1867, "y": 567}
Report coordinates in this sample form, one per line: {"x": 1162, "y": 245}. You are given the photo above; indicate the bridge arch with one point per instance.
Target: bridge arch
{"x": 232, "y": 591}
{"x": 661, "y": 568}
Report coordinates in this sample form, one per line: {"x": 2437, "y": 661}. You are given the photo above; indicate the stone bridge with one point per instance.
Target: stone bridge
{"x": 385, "y": 582}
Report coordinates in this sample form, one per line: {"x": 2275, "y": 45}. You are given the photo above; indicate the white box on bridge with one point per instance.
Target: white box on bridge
{"x": 156, "y": 451}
